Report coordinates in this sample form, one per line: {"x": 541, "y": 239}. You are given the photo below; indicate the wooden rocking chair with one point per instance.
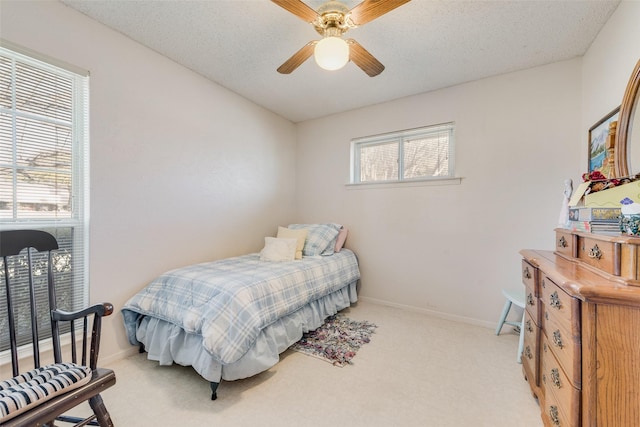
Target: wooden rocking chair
{"x": 44, "y": 393}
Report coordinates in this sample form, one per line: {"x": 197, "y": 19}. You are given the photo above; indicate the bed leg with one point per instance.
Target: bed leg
{"x": 141, "y": 348}
{"x": 214, "y": 388}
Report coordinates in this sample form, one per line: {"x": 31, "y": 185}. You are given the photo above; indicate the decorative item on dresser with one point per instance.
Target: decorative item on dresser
{"x": 581, "y": 348}
{"x": 627, "y": 145}
{"x": 601, "y": 152}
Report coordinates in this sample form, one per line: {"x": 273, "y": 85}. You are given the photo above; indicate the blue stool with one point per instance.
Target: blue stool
{"x": 516, "y": 297}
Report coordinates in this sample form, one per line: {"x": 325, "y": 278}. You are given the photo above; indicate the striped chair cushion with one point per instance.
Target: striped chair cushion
{"x": 35, "y": 387}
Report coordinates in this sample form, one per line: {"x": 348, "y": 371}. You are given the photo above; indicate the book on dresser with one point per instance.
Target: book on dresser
{"x": 584, "y": 213}
{"x": 595, "y": 220}
{"x": 602, "y": 227}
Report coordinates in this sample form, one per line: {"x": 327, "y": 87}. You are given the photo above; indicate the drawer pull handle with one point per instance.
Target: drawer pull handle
{"x": 528, "y": 326}
{"x": 530, "y": 299}
{"x": 553, "y": 414}
{"x": 555, "y": 377}
{"x": 557, "y": 339}
{"x": 554, "y": 300}
{"x": 562, "y": 242}
{"x": 543, "y": 283}
{"x": 526, "y": 273}
{"x": 595, "y": 253}
{"x": 527, "y": 353}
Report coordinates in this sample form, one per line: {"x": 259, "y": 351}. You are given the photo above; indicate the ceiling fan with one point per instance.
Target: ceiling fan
{"x": 331, "y": 21}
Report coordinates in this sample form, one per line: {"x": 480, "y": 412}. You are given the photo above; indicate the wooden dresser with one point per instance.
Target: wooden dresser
{"x": 581, "y": 352}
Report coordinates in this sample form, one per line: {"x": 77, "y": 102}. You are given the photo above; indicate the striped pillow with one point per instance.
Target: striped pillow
{"x": 321, "y": 238}
{"x": 35, "y": 387}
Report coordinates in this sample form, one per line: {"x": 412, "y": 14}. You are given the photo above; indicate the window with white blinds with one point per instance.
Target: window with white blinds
{"x": 44, "y": 173}
{"x": 410, "y": 155}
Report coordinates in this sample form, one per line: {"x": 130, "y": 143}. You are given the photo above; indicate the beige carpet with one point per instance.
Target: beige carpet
{"x": 416, "y": 371}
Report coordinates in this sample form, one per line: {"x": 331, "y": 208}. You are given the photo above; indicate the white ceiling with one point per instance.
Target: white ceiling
{"x": 424, "y": 44}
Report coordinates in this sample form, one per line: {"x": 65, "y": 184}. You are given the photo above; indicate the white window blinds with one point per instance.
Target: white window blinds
{"x": 410, "y": 155}
{"x": 44, "y": 167}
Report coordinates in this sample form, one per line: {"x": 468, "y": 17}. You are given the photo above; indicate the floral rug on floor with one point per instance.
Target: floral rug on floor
{"x": 337, "y": 340}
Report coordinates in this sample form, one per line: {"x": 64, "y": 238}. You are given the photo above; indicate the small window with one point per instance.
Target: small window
{"x": 410, "y": 155}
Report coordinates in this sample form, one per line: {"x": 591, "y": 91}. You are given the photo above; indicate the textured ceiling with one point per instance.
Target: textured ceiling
{"x": 424, "y": 45}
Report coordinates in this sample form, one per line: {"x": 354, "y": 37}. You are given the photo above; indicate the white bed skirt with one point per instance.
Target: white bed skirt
{"x": 168, "y": 343}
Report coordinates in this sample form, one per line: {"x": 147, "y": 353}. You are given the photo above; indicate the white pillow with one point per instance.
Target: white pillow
{"x": 289, "y": 233}
{"x": 277, "y": 250}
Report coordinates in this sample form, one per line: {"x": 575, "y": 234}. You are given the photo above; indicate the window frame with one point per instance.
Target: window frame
{"x": 77, "y": 222}
{"x": 400, "y": 137}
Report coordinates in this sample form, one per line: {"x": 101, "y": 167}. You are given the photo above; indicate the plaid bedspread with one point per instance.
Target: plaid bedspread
{"x": 230, "y": 301}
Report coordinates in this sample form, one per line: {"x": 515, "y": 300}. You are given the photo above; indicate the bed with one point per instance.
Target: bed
{"x": 230, "y": 319}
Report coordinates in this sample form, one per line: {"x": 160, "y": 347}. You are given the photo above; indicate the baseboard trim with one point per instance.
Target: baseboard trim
{"x": 434, "y": 313}
{"x": 108, "y": 360}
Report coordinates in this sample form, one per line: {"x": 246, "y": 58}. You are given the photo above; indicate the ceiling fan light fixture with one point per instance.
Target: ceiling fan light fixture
{"x": 331, "y": 53}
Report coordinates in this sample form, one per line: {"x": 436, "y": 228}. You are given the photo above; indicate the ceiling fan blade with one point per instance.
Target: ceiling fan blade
{"x": 297, "y": 58}
{"x": 363, "y": 59}
{"x": 369, "y": 10}
{"x": 298, "y": 8}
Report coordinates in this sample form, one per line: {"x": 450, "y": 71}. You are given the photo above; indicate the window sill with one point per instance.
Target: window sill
{"x": 400, "y": 184}
{"x": 25, "y": 351}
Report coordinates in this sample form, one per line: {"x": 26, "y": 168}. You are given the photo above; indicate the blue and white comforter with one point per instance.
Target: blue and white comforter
{"x": 230, "y": 301}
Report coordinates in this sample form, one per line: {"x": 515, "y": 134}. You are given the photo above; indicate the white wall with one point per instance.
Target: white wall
{"x": 450, "y": 249}
{"x": 182, "y": 170}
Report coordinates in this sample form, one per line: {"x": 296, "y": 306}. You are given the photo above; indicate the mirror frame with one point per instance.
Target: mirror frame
{"x": 627, "y": 108}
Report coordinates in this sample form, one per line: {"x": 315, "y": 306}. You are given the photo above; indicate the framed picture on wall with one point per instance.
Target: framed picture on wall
{"x": 599, "y": 156}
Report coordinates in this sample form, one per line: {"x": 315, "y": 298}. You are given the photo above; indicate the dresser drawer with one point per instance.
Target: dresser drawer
{"x": 532, "y": 304}
{"x": 563, "y": 306}
{"x": 600, "y": 254}
{"x": 566, "y": 243}
{"x": 565, "y": 347}
{"x": 560, "y": 323}
{"x": 530, "y": 350}
{"x": 554, "y": 415}
{"x": 554, "y": 380}
{"x": 529, "y": 277}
